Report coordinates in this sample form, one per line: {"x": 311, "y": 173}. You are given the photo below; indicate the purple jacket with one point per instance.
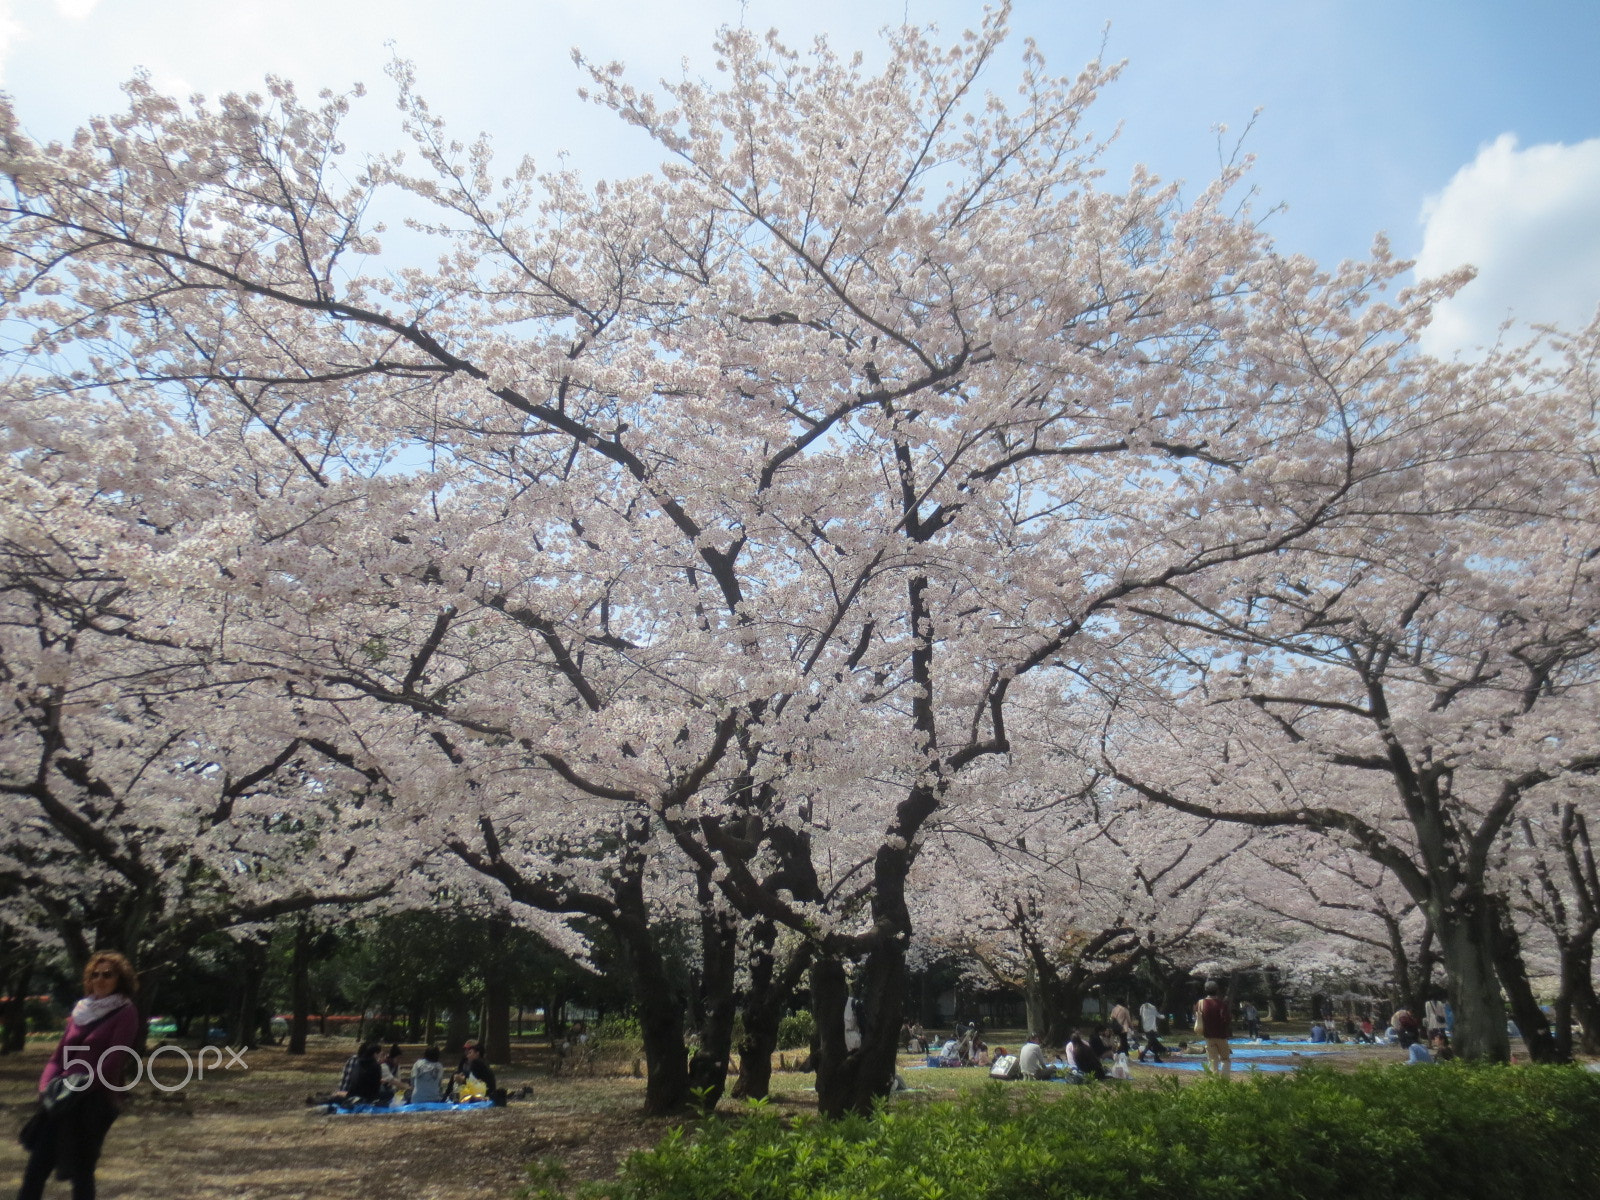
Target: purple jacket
{"x": 82, "y": 1049}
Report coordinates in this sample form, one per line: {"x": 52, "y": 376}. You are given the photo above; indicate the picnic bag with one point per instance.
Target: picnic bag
{"x": 1006, "y": 1067}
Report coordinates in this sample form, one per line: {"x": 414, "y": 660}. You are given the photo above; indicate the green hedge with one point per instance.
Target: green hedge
{"x": 795, "y": 1030}
{"x": 1400, "y": 1132}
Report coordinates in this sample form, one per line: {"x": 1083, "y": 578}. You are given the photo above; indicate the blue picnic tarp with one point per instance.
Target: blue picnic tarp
{"x": 379, "y": 1110}
{"x": 1198, "y": 1064}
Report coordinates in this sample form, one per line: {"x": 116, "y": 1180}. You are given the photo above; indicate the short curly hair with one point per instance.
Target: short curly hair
{"x": 127, "y": 977}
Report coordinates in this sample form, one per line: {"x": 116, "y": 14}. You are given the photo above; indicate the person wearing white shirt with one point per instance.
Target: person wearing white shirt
{"x": 1031, "y": 1060}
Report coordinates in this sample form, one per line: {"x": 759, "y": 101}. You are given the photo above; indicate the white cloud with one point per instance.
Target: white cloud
{"x": 76, "y": 10}
{"x": 1529, "y": 220}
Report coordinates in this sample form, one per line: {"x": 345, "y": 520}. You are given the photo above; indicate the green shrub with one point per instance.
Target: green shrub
{"x": 795, "y": 1030}
{"x": 1400, "y": 1133}
{"x": 617, "y": 1029}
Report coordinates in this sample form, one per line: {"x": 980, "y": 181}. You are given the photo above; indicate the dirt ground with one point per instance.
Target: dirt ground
{"x": 248, "y": 1132}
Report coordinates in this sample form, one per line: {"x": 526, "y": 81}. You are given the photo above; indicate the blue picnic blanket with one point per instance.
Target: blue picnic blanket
{"x": 1285, "y": 1042}
{"x": 378, "y": 1110}
{"x": 1271, "y": 1052}
{"x": 1198, "y": 1064}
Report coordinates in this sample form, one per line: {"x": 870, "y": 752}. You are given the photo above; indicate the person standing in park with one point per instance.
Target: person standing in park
{"x": 1214, "y": 1022}
{"x": 1149, "y": 1018}
{"x": 1252, "y": 1020}
{"x": 86, "y": 1068}
{"x": 1121, "y": 1018}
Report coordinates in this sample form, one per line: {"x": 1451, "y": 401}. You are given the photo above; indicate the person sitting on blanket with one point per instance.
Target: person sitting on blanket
{"x": 474, "y": 1066}
{"x": 1081, "y": 1059}
{"x": 1031, "y": 1060}
{"x": 389, "y": 1067}
{"x": 426, "y": 1073}
{"x": 1152, "y": 1050}
{"x": 362, "y": 1081}
{"x": 1098, "y": 1044}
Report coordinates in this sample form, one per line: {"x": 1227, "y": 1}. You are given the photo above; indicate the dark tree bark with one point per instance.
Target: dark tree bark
{"x": 496, "y": 1020}
{"x": 1466, "y": 944}
{"x": 300, "y": 989}
{"x": 458, "y": 1027}
{"x": 771, "y": 985}
{"x": 1567, "y": 903}
{"x": 719, "y": 946}
{"x": 1509, "y": 964}
{"x": 1277, "y": 1002}
{"x": 14, "y": 1011}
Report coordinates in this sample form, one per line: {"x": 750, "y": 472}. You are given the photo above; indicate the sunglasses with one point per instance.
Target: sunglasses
{"x": 102, "y": 974}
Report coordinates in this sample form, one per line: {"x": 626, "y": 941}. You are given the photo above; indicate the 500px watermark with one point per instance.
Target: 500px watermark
{"x": 194, "y": 1065}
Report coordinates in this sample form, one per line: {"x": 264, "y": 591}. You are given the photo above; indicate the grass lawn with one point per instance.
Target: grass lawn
{"x": 249, "y": 1133}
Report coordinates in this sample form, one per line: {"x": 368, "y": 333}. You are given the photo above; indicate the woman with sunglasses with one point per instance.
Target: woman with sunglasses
{"x": 97, "y": 1048}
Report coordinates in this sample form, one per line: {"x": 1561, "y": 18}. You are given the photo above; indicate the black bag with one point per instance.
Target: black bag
{"x": 33, "y": 1129}
{"x": 62, "y": 1095}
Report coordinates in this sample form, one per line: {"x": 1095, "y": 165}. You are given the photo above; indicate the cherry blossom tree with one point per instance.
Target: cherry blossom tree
{"x": 728, "y": 508}
{"x": 1351, "y": 902}
{"x": 1552, "y": 880}
{"x": 1405, "y": 692}
{"x": 1057, "y": 899}
{"x": 150, "y": 802}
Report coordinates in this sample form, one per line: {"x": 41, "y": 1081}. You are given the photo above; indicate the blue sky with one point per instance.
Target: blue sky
{"x": 1467, "y": 130}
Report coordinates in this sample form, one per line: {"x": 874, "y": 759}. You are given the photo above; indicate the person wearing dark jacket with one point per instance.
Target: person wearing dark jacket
{"x": 1153, "y": 1050}
{"x": 362, "y": 1081}
{"x": 475, "y": 1066}
{"x": 89, "y": 1062}
{"x": 1214, "y": 1022}
{"x": 1081, "y": 1058}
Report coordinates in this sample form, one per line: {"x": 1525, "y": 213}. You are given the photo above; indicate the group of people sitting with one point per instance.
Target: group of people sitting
{"x": 963, "y": 1048}
{"x": 376, "y": 1077}
{"x": 1100, "y": 1052}
{"x": 1084, "y": 1056}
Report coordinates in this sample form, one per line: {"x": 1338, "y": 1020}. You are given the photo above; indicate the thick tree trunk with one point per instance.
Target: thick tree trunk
{"x": 458, "y": 1026}
{"x": 14, "y": 1030}
{"x": 666, "y": 1056}
{"x": 771, "y": 986}
{"x": 1577, "y": 1003}
{"x": 1576, "y": 1000}
{"x": 1036, "y": 998}
{"x": 708, "y": 1069}
{"x": 300, "y": 989}
{"x": 1064, "y": 1011}
{"x": 1277, "y": 1002}
{"x": 244, "y": 1022}
{"x": 1467, "y": 950}
{"x": 496, "y": 1022}
{"x": 1531, "y": 1021}
{"x": 757, "y": 1045}
{"x": 660, "y": 1007}
{"x": 852, "y": 1081}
